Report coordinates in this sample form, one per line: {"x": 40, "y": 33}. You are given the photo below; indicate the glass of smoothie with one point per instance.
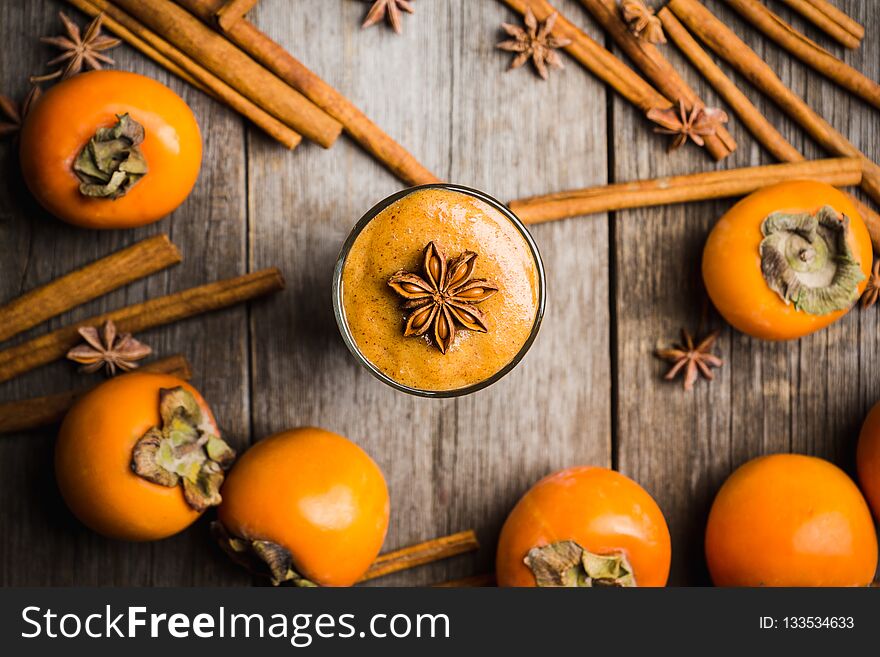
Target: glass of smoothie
{"x": 439, "y": 290}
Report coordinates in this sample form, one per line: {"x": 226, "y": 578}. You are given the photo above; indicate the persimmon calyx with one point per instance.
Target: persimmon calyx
{"x": 184, "y": 451}
{"x": 260, "y": 557}
{"x": 567, "y": 564}
{"x": 807, "y": 260}
{"x": 112, "y": 162}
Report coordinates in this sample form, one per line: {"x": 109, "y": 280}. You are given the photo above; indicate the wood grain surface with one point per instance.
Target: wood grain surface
{"x": 589, "y": 390}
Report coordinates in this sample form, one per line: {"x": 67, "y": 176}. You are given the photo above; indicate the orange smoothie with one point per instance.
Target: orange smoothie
{"x": 452, "y": 271}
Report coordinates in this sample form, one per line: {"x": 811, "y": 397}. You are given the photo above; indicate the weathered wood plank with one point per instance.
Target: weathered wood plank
{"x": 805, "y": 396}
{"x": 43, "y": 544}
{"x": 441, "y": 90}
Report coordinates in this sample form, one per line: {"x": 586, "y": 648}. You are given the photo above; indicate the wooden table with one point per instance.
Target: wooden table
{"x": 590, "y": 390}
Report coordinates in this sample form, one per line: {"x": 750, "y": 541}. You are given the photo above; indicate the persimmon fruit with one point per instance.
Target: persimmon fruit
{"x": 790, "y": 520}
{"x": 308, "y": 505}
{"x": 99, "y": 116}
{"x": 584, "y": 526}
{"x": 868, "y": 460}
{"x": 112, "y": 448}
{"x": 787, "y": 260}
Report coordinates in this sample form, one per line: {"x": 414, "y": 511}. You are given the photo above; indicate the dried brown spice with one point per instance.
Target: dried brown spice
{"x": 15, "y": 113}
{"x": 872, "y": 289}
{"x": 642, "y": 21}
{"x": 701, "y": 122}
{"x": 534, "y": 42}
{"x": 107, "y": 349}
{"x": 692, "y": 358}
{"x": 447, "y": 294}
{"x": 79, "y": 50}
{"x": 389, "y": 10}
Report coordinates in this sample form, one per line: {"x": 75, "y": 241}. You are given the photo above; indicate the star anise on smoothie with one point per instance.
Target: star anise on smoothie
{"x": 79, "y": 50}
{"x": 389, "y": 10}
{"x": 107, "y": 349}
{"x": 699, "y": 123}
{"x": 534, "y": 42}
{"x": 642, "y": 21}
{"x": 691, "y": 358}
{"x": 872, "y": 289}
{"x": 446, "y": 295}
{"x": 14, "y": 113}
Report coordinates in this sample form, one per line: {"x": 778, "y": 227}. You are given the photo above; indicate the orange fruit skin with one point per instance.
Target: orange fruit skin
{"x": 93, "y": 461}
{"x": 315, "y": 493}
{"x": 868, "y": 460}
{"x": 732, "y": 264}
{"x": 790, "y": 520}
{"x": 602, "y": 510}
{"x": 63, "y": 120}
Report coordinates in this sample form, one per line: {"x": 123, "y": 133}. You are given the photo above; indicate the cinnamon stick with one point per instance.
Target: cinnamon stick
{"x": 681, "y": 189}
{"x": 37, "y": 412}
{"x": 163, "y": 53}
{"x": 750, "y": 116}
{"x": 275, "y": 58}
{"x": 422, "y": 553}
{"x": 140, "y": 317}
{"x": 721, "y": 39}
{"x": 231, "y": 11}
{"x": 830, "y": 20}
{"x": 90, "y": 282}
{"x": 648, "y": 58}
{"x": 223, "y": 59}
{"x": 596, "y": 59}
{"x": 474, "y": 581}
{"x": 809, "y": 52}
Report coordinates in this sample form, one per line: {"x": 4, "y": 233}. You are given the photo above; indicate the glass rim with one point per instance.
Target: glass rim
{"x": 339, "y": 310}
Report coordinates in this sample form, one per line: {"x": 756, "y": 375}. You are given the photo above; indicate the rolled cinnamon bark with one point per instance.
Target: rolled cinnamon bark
{"x": 230, "y": 12}
{"x": 422, "y": 553}
{"x": 830, "y": 20}
{"x": 226, "y": 61}
{"x": 163, "y": 53}
{"x": 140, "y": 317}
{"x": 809, "y": 52}
{"x": 657, "y": 69}
{"x": 596, "y": 59}
{"x": 26, "y": 414}
{"x": 756, "y": 123}
{"x": 90, "y": 282}
{"x": 681, "y": 189}
{"x": 727, "y": 45}
{"x": 275, "y": 58}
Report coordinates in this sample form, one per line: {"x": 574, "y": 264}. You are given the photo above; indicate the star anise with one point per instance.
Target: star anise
{"x": 107, "y": 349}
{"x": 447, "y": 294}
{"x": 642, "y": 21}
{"x": 79, "y": 50}
{"x": 535, "y": 43}
{"x": 691, "y": 358}
{"x": 701, "y": 122}
{"x": 389, "y": 10}
{"x": 15, "y": 113}
{"x": 872, "y": 289}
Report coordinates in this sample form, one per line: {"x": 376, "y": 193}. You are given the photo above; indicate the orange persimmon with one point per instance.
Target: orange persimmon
{"x": 96, "y": 452}
{"x": 61, "y": 125}
{"x": 868, "y": 460}
{"x": 312, "y": 506}
{"x": 790, "y": 520}
{"x": 814, "y": 281}
{"x": 594, "y": 515}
